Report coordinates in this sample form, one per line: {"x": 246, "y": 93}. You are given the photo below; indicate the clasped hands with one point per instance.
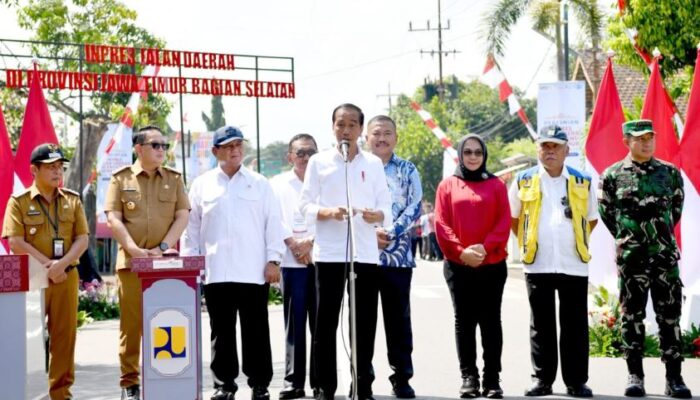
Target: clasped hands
{"x": 473, "y": 255}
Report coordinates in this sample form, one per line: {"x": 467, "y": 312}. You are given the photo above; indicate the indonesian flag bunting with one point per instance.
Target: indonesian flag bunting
{"x": 659, "y": 111}
{"x": 437, "y": 131}
{"x": 7, "y": 177}
{"x": 688, "y": 157}
{"x": 494, "y": 78}
{"x": 37, "y": 129}
{"x": 604, "y": 147}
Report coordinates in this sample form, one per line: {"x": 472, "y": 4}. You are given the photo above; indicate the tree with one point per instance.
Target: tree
{"x": 89, "y": 21}
{"x": 273, "y": 158}
{"x": 670, "y": 25}
{"x": 499, "y": 21}
{"x": 217, "y": 119}
{"x": 472, "y": 108}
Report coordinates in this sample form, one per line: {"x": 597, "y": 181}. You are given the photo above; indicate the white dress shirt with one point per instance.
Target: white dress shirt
{"x": 287, "y": 187}
{"x": 235, "y": 224}
{"x": 556, "y": 243}
{"x": 324, "y": 186}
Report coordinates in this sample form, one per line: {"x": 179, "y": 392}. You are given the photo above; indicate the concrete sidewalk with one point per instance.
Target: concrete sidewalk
{"x": 435, "y": 360}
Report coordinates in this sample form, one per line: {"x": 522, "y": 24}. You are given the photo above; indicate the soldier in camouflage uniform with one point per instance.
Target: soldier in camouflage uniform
{"x": 640, "y": 201}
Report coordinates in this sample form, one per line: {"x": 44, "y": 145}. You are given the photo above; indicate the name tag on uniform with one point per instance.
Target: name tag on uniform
{"x": 126, "y": 189}
{"x": 33, "y": 212}
{"x": 58, "y": 250}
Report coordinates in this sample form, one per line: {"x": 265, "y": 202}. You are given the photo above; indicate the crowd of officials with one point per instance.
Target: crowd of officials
{"x": 294, "y": 227}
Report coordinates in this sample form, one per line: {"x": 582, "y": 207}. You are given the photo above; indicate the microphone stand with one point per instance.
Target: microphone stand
{"x": 351, "y": 285}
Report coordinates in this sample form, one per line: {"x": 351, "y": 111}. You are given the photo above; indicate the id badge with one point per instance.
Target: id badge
{"x": 58, "y": 252}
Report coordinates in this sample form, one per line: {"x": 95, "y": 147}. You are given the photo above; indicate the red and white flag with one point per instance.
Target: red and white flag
{"x": 604, "y": 147}
{"x": 37, "y": 129}
{"x": 660, "y": 112}
{"x": 690, "y": 168}
{"x": 493, "y": 78}
{"x": 446, "y": 143}
{"x": 7, "y": 177}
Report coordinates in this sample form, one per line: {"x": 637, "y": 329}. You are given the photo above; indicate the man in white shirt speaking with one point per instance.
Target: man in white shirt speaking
{"x": 235, "y": 224}
{"x": 324, "y": 196}
{"x": 298, "y": 272}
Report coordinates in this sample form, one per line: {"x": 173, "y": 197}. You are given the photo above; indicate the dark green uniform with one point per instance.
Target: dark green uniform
{"x": 641, "y": 203}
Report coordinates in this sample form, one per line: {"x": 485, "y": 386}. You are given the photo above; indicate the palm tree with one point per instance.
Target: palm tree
{"x": 498, "y": 22}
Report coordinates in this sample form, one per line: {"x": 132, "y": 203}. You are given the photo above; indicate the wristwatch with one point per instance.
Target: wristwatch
{"x": 277, "y": 263}
{"x": 163, "y": 246}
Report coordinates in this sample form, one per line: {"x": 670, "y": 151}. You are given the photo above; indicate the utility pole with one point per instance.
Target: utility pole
{"x": 388, "y": 95}
{"x": 565, "y": 23}
{"x": 440, "y": 52}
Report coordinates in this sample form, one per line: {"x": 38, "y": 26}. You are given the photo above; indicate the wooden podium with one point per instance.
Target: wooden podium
{"x": 14, "y": 283}
{"x": 171, "y": 316}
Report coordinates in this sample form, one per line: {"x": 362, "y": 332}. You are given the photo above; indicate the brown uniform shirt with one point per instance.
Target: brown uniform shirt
{"x": 147, "y": 203}
{"x": 25, "y": 217}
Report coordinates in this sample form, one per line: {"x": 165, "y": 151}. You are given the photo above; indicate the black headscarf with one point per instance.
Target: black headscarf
{"x": 463, "y": 172}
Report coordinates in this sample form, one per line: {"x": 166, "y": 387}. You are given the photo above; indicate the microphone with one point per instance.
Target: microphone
{"x": 344, "y": 149}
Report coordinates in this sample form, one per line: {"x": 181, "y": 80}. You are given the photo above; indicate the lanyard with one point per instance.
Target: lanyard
{"x": 52, "y": 222}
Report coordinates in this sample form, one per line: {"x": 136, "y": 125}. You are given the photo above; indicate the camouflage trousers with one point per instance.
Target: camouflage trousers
{"x": 636, "y": 281}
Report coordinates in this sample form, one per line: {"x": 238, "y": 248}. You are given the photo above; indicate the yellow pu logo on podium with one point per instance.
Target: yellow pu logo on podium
{"x": 169, "y": 342}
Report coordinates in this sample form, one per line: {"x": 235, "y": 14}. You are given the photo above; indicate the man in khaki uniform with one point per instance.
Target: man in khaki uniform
{"x": 147, "y": 209}
{"x": 49, "y": 224}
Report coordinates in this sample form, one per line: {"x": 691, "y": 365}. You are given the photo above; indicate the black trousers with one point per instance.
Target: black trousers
{"x": 299, "y": 294}
{"x": 477, "y": 294}
{"x": 435, "y": 247}
{"x": 573, "y": 321}
{"x": 330, "y": 287}
{"x": 224, "y": 302}
{"x": 395, "y": 291}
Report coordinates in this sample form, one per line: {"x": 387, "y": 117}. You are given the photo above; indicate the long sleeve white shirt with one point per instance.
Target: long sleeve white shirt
{"x": 324, "y": 186}
{"x": 236, "y": 224}
{"x": 287, "y": 187}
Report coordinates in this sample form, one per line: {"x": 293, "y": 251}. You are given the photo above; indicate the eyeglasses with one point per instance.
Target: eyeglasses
{"x": 567, "y": 207}
{"x": 475, "y": 153}
{"x": 157, "y": 145}
{"x": 302, "y": 153}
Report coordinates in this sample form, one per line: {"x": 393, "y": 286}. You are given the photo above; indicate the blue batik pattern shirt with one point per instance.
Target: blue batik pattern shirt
{"x": 406, "y": 194}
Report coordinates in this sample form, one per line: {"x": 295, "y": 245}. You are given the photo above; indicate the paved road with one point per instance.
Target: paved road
{"x": 436, "y": 368}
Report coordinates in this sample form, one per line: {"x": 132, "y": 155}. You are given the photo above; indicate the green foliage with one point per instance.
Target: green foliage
{"x": 471, "y": 107}
{"x": 98, "y": 301}
{"x": 217, "y": 119}
{"x": 274, "y": 296}
{"x": 273, "y": 158}
{"x": 83, "y": 318}
{"x": 107, "y": 22}
{"x": 670, "y": 25}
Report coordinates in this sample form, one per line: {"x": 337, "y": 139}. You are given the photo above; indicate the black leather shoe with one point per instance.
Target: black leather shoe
{"x": 291, "y": 392}
{"x": 538, "y": 388}
{"x": 132, "y": 392}
{"x": 221, "y": 394}
{"x": 579, "y": 391}
{"x": 675, "y": 387}
{"x": 402, "y": 390}
{"x": 635, "y": 386}
{"x": 492, "y": 389}
{"x": 470, "y": 387}
{"x": 321, "y": 394}
{"x": 260, "y": 393}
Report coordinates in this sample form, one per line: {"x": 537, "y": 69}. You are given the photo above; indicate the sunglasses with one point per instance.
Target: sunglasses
{"x": 158, "y": 146}
{"x": 567, "y": 207}
{"x": 475, "y": 153}
{"x": 303, "y": 153}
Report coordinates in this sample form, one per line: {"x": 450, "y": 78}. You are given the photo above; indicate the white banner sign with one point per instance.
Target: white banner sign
{"x": 564, "y": 104}
{"x": 119, "y": 156}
